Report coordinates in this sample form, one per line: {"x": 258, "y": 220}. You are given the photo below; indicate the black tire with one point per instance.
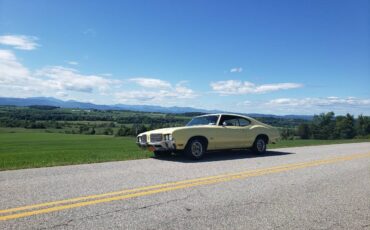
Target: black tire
{"x": 159, "y": 154}
{"x": 195, "y": 149}
{"x": 260, "y": 145}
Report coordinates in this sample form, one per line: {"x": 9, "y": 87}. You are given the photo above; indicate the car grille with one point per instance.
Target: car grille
{"x": 142, "y": 139}
{"x": 155, "y": 137}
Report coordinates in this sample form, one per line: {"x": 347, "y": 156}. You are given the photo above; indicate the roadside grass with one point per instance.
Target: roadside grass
{"x": 25, "y": 148}
{"x": 33, "y": 150}
{"x": 310, "y": 142}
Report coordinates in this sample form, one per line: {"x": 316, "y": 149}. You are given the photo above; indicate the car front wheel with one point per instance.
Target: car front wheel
{"x": 195, "y": 149}
{"x": 260, "y": 145}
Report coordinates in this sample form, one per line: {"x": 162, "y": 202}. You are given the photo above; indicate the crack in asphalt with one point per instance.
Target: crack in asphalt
{"x": 70, "y": 221}
{"x": 169, "y": 223}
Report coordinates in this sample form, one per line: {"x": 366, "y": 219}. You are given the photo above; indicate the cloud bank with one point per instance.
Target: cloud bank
{"x": 321, "y": 102}
{"x": 151, "y": 82}
{"x": 231, "y": 87}
{"x": 16, "y": 80}
{"x": 161, "y": 92}
{"x": 236, "y": 70}
{"x": 21, "y": 42}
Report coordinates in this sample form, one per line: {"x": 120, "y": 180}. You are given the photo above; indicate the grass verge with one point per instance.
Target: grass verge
{"x": 32, "y": 150}
{"x": 25, "y": 149}
{"x": 300, "y": 143}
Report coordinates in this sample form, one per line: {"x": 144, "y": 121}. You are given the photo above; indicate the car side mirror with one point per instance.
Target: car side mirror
{"x": 224, "y": 124}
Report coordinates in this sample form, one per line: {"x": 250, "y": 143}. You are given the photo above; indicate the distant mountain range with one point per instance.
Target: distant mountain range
{"x": 50, "y": 101}
{"x": 85, "y": 105}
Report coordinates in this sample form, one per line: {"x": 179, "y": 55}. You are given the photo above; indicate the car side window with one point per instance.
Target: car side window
{"x": 229, "y": 120}
{"x": 232, "y": 122}
{"x": 244, "y": 122}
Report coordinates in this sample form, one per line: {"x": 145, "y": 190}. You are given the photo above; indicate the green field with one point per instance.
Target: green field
{"x": 25, "y": 148}
{"x": 31, "y": 150}
{"x": 299, "y": 143}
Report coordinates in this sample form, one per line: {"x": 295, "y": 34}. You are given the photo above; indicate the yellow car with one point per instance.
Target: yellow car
{"x": 210, "y": 132}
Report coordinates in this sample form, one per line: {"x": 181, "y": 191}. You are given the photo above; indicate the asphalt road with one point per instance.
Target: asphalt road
{"x": 321, "y": 187}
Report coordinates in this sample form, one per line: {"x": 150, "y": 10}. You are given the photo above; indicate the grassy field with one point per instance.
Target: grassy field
{"x": 24, "y": 148}
{"x": 298, "y": 143}
{"x": 31, "y": 150}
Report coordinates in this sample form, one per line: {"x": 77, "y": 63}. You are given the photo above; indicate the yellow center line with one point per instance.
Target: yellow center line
{"x": 136, "y": 189}
{"x": 127, "y": 191}
{"x": 148, "y": 190}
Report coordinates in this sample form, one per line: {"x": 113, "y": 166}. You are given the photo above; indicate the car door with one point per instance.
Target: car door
{"x": 248, "y": 135}
{"x": 230, "y": 134}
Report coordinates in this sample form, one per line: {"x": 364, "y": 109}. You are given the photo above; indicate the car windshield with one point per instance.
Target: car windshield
{"x": 204, "y": 120}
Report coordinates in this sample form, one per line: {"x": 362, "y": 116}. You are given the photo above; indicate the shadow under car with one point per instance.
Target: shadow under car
{"x": 222, "y": 156}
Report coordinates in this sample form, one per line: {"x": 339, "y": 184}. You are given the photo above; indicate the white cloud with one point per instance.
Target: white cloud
{"x": 66, "y": 83}
{"x": 72, "y": 62}
{"x": 21, "y": 42}
{"x": 137, "y": 96}
{"x": 161, "y": 96}
{"x": 308, "y": 105}
{"x": 15, "y": 79}
{"x": 11, "y": 70}
{"x": 62, "y": 94}
{"x": 106, "y": 74}
{"x": 18, "y": 81}
{"x": 90, "y": 32}
{"x": 238, "y": 87}
{"x": 236, "y": 70}
{"x": 61, "y": 78}
{"x": 244, "y": 103}
{"x": 151, "y": 82}
{"x": 319, "y": 102}
{"x": 183, "y": 92}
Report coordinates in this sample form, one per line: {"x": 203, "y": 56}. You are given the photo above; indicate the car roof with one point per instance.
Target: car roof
{"x": 225, "y": 114}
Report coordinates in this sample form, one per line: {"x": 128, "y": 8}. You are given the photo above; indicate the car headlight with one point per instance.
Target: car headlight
{"x": 168, "y": 137}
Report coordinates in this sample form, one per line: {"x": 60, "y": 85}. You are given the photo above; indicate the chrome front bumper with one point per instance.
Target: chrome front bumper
{"x": 158, "y": 146}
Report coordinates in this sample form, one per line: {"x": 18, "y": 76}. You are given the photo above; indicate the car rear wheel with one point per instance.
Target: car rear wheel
{"x": 195, "y": 149}
{"x": 260, "y": 145}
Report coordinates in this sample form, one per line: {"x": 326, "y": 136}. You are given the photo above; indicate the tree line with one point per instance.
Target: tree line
{"x": 129, "y": 123}
{"x": 326, "y": 126}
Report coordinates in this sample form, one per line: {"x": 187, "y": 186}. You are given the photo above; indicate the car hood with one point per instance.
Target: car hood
{"x": 171, "y": 130}
{"x": 164, "y": 131}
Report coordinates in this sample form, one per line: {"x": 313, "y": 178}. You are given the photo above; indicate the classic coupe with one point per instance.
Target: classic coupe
{"x": 210, "y": 132}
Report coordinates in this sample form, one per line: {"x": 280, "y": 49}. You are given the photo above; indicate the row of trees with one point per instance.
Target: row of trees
{"x": 127, "y": 123}
{"x": 11, "y": 116}
{"x": 123, "y": 130}
{"x": 329, "y": 126}
{"x": 44, "y": 113}
{"x": 323, "y": 126}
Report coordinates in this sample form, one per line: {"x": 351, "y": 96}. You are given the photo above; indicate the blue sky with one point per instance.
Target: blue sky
{"x": 280, "y": 57}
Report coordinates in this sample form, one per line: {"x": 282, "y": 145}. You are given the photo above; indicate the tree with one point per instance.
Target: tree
{"x": 92, "y": 131}
{"x": 138, "y": 128}
{"x": 123, "y": 131}
{"x": 287, "y": 134}
{"x": 304, "y": 131}
{"x": 323, "y": 126}
{"x": 83, "y": 129}
{"x": 345, "y": 127}
{"x": 363, "y": 125}
{"x": 108, "y": 131}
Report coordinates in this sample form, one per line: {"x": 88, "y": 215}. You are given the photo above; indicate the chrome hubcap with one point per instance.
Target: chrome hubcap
{"x": 261, "y": 145}
{"x": 197, "y": 149}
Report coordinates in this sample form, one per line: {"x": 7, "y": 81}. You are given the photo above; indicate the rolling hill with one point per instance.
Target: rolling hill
{"x": 50, "y": 101}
